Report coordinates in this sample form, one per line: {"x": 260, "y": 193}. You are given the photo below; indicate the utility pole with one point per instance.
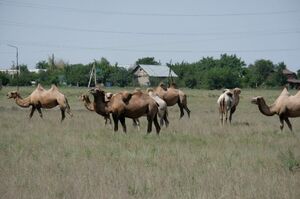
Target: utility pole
{"x": 93, "y": 73}
{"x": 18, "y": 69}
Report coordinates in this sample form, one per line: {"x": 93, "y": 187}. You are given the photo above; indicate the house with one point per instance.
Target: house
{"x": 291, "y": 78}
{"x": 143, "y": 73}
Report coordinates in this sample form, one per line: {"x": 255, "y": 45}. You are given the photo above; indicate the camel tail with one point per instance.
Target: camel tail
{"x": 68, "y": 109}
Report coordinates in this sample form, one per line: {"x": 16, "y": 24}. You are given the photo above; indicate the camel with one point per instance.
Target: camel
{"x": 228, "y": 102}
{"x": 41, "y": 98}
{"x": 285, "y": 106}
{"x": 129, "y": 105}
{"x": 171, "y": 96}
{"x": 91, "y": 107}
{"x": 162, "y": 109}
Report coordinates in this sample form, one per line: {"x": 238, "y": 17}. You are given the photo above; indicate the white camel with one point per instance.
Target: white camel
{"x": 228, "y": 102}
{"x": 162, "y": 108}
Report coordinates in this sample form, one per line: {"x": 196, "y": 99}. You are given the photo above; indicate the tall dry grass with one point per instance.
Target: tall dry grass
{"x": 193, "y": 158}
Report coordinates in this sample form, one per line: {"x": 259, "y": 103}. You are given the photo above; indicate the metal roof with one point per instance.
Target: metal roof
{"x": 157, "y": 70}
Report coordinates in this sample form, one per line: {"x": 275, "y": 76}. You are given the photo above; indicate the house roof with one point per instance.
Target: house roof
{"x": 288, "y": 72}
{"x": 156, "y": 70}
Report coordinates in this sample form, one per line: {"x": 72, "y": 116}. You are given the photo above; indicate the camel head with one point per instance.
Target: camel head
{"x": 237, "y": 91}
{"x": 256, "y": 100}
{"x": 13, "y": 94}
{"x": 83, "y": 97}
{"x": 97, "y": 92}
{"x": 162, "y": 85}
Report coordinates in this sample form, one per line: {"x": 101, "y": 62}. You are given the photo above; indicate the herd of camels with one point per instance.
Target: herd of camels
{"x": 152, "y": 104}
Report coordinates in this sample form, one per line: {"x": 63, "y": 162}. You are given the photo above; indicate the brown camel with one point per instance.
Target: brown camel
{"x": 91, "y": 107}
{"x": 285, "y": 106}
{"x": 41, "y": 98}
{"x": 228, "y": 102}
{"x": 129, "y": 105}
{"x": 171, "y": 96}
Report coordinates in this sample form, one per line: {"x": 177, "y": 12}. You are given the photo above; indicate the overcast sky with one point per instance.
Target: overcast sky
{"x": 123, "y": 31}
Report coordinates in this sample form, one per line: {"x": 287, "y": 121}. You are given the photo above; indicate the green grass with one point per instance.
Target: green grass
{"x": 193, "y": 158}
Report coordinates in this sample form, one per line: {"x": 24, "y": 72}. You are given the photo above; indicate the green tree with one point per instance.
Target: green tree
{"x": 259, "y": 72}
{"x": 42, "y": 65}
{"x": 4, "y": 78}
{"x": 148, "y": 61}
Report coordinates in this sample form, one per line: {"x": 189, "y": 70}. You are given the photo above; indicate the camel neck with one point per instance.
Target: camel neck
{"x": 265, "y": 109}
{"x": 23, "y": 102}
{"x": 99, "y": 104}
{"x": 89, "y": 106}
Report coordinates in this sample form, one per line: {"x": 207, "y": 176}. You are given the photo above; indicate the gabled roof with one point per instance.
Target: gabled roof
{"x": 156, "y": 70}
{"x": 287, "y": 72}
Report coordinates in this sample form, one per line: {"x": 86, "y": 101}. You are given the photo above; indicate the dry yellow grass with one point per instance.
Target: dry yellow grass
{"x": 193, "y": 158}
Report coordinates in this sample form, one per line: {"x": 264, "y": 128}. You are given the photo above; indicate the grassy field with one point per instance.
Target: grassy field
{"x": 193, "y": 158}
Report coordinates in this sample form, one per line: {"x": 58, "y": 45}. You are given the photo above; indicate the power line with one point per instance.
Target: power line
{"x": 121, "y": 13}
{"x": 43, "y": 26}
{"x": 72, "y": 47}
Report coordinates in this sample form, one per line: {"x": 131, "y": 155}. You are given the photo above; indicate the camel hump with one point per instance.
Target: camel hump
{"x": 173, "y": 85}
{"x": 39, "y": 87}
{"x": 285, "y": 92}
{"x": 53, "y": 87}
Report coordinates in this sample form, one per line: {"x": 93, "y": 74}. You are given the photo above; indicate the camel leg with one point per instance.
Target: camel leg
{"x": 68, "y": 110}
{"x": 165, "y": 118}
{"x": 63, "y": 114}
{"x": 31, "y": 112}
{"x": 115, "y": 118}
{"x": 157, "y": 127}
{"x": 161, "y": 121}
{"x": 150, "y": 119}
{"x": 136, "y": 123}
{"x": 232, "y": 110}
{"x": 281, "y": 123}
{"x": 221, "y": 116}
{"x": 226, "y": 117}
{"x": 181, "y": 110}
{"x": 187, "y": 109}
{"x": 40, "y": 112}
{"x": 122, "y": 120}
{"x": 287, "y": 121}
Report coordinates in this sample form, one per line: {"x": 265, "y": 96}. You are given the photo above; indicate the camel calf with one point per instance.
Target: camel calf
{"x": 228, "y": 102}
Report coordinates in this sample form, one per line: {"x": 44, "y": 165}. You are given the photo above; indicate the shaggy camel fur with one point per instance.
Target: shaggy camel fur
{"x": 129, "y": 105}
{"x": 41, "y": 98}
{"x": 162, "y": 109}
{"x": 171, "y": 96}
{"x": 285, "y": 106}
{"x": 91, "y": 107}
{"x": 228, "y": 102}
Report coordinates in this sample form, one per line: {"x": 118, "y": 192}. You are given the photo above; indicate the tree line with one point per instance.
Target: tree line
{"x": 227, "y": 71}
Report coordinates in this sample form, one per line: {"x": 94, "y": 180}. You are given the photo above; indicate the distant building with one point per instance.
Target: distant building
{"x": 14, "y": 71}
{"x": 291, "y": 78}
{"x": 37, "y": 70}
{"x": 143, "y": 73}
{"x": 9, "y": 71}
